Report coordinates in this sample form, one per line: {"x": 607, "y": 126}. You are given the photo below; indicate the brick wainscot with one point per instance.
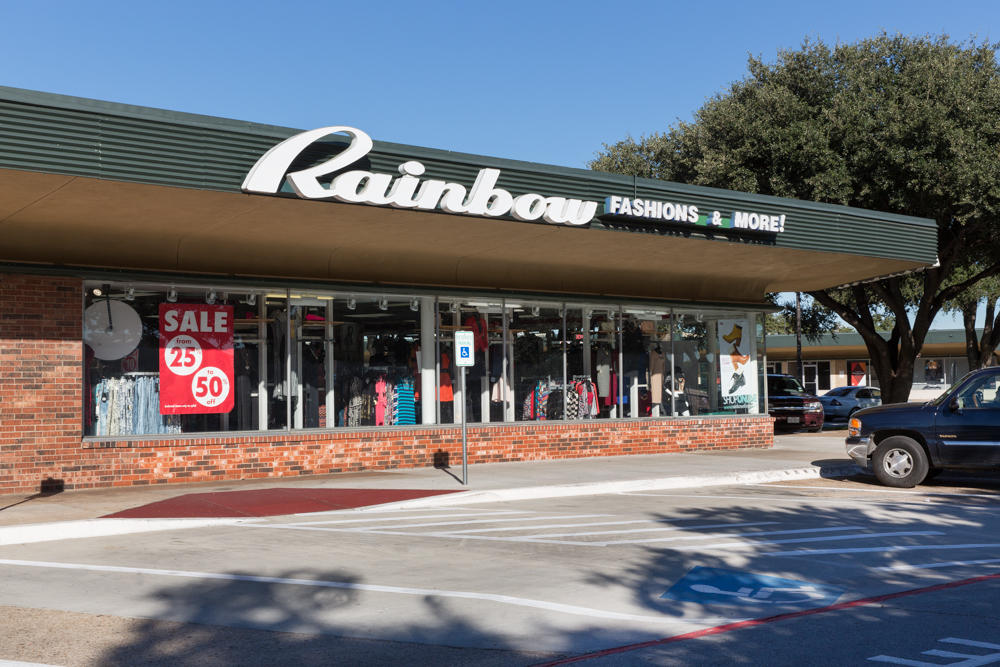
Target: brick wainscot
{"x": 41, "y": 444}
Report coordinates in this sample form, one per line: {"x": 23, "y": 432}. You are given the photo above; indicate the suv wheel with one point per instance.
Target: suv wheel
{"x": 900, "y": 462}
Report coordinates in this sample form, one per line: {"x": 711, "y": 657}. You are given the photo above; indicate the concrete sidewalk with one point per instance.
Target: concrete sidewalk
{"x": 793, "y": 457}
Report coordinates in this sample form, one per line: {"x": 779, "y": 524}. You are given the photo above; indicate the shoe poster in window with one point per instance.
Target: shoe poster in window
{"x": 737, "y": 367}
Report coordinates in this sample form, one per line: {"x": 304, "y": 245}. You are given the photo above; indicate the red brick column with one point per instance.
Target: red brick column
{"x": 41, "y": 357}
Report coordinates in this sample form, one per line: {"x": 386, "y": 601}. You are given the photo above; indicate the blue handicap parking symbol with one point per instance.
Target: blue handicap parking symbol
{"x": 463, "y": 352}
{"x": 709, "y": 585}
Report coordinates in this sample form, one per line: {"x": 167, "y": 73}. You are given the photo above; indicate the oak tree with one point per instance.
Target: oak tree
{"x": 891, "y": 123}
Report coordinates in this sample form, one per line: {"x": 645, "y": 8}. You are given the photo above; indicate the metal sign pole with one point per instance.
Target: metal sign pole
{"x": 465, "y": 449}
{"x": 465, "y": 356}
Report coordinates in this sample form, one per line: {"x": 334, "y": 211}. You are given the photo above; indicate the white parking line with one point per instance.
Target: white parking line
{"x": 855, "y": 536}
{"x": 812, "y": 500}
{"x": 374, "y": 588}
{"x": 403, "y": 533}
{"x": 405, "y": 518}
{"x": 703, "y": 536}
{"x": 931, "y": 566}
{"x": 971, "y": 659}
{"x": 883, "y": 490}
{"x": 617, "y": 532}
{"x": 466, "y": 523}
{"x": 912, "y": 547}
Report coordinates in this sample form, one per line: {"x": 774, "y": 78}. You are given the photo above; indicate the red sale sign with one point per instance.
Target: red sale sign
{"x": 196, "y": 359}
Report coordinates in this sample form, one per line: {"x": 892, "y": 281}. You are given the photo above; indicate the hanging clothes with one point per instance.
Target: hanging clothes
{"x": 603, "y": 367}
{"x": 380, "y": 401}
{"x": 445, "y": 392}
{"x": 477, "y": 325}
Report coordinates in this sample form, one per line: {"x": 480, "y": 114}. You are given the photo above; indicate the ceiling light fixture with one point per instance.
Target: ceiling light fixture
{"x": 252, "y": 299}
{"x": 383, "y": 303}
{"x": 352, "y": 303}
{"x": 414, "y": 305}
{"x": 210, "y": 297}
{"x": 130, "y": 294}
{"x": 172, "y": 295}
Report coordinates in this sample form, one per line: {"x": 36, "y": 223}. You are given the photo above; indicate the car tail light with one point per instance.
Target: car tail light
{"x": 854, "y": 427}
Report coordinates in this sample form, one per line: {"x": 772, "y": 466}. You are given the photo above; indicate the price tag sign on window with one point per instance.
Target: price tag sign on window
{"x": 196, "y": 359}
{"x": 464, "y": 343}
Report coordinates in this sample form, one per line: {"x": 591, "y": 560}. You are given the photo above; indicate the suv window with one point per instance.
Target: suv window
{"x": 982, "y": 393}
{"x": 784, "y": 385}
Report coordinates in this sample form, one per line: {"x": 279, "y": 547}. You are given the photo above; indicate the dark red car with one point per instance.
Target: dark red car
{"x": 792, "y": 406}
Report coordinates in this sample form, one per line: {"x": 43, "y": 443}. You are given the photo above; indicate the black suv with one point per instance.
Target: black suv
{"x": 905, "y": 443}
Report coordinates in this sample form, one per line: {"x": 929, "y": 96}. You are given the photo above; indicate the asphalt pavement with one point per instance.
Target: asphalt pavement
{"x": 78, "y": 513}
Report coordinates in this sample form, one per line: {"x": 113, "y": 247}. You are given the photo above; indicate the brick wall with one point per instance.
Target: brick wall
{"x": 40, "y": 423}
{"x": 41, "y": 357}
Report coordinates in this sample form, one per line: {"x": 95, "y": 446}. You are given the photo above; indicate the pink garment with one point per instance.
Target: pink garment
{"x": 380, "y": 402}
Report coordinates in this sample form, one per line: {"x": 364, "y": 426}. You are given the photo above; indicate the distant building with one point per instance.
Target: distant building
{"x": 843, "y": 360}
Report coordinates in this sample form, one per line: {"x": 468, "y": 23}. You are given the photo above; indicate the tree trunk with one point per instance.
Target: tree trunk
{"x": 980, "y": 350}
{"x": 892, "y": 360}
{"x": 972, "y": 353}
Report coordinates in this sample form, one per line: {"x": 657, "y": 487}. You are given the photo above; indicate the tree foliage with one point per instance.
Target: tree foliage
{"x": 892, "y": 123}
{"x": 980, "y": 347}
{"x": 815, "y": 319}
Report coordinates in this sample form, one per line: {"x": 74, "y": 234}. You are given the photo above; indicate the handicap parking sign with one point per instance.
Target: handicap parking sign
{"x": 709, "y": 585}
{"x": 464, "y": 341}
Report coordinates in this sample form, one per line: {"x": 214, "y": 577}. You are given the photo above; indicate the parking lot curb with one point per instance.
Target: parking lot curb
{"x": 106, "y": 527}
{"x": 600, "y": 488}
{"x": 66, "y": 530}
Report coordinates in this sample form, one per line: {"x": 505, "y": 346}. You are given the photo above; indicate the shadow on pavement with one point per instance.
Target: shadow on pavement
{"x": 227, "y": 622}
{"x": 271, "y": 623}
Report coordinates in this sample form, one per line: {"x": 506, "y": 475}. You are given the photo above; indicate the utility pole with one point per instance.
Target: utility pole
{"x": 798, "y": 338}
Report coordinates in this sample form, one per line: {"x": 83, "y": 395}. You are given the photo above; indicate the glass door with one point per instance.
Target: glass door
{"x": 810, "y": 375}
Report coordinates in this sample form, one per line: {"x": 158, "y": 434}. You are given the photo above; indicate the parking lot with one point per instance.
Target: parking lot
{"x": 532, "y": 581}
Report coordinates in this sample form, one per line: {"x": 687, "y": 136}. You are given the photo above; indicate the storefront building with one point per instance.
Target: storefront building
{"x": 842, "y": 361}
{"x": 185, "y": 298}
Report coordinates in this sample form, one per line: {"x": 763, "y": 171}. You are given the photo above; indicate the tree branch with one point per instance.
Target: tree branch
{"x": 950, "y": 292}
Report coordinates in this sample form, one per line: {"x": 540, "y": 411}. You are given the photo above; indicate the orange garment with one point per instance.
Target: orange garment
{"x": 445, "y": 392}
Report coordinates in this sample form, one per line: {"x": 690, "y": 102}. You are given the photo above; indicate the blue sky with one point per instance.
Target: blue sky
{"x": 542, "y": 81}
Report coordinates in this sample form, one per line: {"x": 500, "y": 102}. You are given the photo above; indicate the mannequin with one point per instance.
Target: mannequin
{"x": 679, "y": 397}
{"x": 657, "y": 365}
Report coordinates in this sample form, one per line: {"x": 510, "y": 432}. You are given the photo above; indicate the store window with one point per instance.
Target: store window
{"x": 166, "y": 359}
{"x": 645, "y": 345}
{"x": 147, "y": 375}
{"x": 538, "y": 363}
{"x": 933, "y": 372}
{"x": 763, "y": 368}
{"x": 375, "y": 346}
{"x": 601, "y": 346}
